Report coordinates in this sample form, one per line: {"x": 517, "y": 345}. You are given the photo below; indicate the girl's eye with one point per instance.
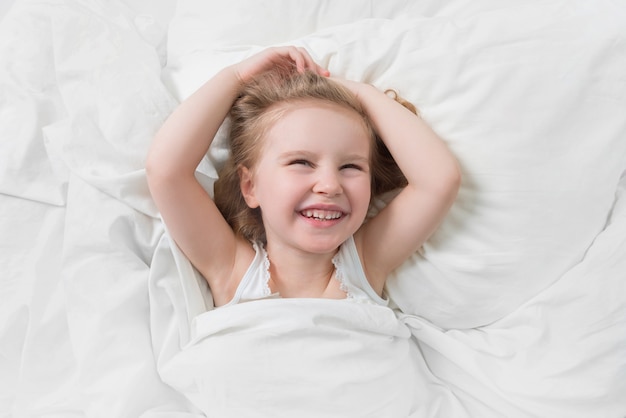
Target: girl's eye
{"x": 351, "y": 166}
{"x": 301, "y": 162}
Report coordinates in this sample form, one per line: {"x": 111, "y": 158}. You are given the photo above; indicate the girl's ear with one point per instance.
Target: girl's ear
{"x": 246, "y": 184}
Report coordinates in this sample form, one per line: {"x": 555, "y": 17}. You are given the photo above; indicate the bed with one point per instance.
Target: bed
{"x": 516, "y": 306}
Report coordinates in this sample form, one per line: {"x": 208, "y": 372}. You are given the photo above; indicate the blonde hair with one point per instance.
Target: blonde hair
{"x": 260, "y": 103}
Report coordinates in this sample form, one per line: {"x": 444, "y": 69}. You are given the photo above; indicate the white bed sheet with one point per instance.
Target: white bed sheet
{"x": 532, "y": 325}
{"x": 45, "y": 363}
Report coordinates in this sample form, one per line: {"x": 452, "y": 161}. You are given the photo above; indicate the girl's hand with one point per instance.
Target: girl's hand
{"x": 353, "y": 86}
{"x": 266, "y": 59}
{"x": 359, "y": 89}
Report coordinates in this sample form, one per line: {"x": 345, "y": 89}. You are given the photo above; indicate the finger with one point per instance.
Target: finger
{"x": 296, "y": 56}
{"x": 323, "y": 71}
{"x": 311, "y": 64}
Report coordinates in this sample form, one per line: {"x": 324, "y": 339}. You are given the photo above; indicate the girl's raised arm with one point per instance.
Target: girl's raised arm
{"x": 191, "y": 217}
{"x": 433, "y": 180}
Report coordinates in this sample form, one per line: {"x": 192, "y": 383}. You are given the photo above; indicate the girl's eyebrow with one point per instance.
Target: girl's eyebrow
{"x": 290, "y": 155}
{"x": 358, "y": 158}
{"x": 307, "y": 154}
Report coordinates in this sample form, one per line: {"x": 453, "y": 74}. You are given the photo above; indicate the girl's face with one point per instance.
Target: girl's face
{"x": 312, "y": 179}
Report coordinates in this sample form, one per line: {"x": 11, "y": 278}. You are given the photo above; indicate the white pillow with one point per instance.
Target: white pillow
{"x": 530, "y": 97}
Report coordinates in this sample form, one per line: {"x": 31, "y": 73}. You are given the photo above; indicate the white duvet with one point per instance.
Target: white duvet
{"x": 515, "y": 308}
{"x": 307, "y": 358}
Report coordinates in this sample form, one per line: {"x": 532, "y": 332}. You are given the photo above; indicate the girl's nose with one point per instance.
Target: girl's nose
{"x": 328, "y": 183}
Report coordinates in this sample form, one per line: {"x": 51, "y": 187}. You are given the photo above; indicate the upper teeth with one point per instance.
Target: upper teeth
{"x": 321, "y": 214}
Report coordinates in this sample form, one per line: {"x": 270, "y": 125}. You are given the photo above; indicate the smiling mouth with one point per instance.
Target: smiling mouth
{"x": 322, "y": 215}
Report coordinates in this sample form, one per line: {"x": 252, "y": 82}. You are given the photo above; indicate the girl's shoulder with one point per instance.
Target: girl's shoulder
{"x": 255, "y": 283}
{"x": 246, "y": 255}
{"x": 351, "y": 274}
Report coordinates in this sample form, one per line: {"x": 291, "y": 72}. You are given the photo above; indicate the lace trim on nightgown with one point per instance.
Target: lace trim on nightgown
{"x": 339, "y": 273}
{"x": 348, "y": 272}
{"x": 340, "y": 277}
{"x": 266, "y": 268}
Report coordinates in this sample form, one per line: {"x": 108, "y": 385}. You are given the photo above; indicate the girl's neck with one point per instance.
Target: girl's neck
{"x": 300, "y": 274}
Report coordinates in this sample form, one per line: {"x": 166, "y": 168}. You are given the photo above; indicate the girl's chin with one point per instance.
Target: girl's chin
{"x": 322, "y": 245}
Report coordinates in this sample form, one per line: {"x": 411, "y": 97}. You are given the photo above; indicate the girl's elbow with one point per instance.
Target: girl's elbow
{"x": 450, "y": 182}
{"x": 455, "y": 177}
{"x": 152, "y": 170}
{"x": 159, "y": 166}
{"x": 152, "y": 161}
{"x": 150, "y": 167}
{"x": 158, "y": 175}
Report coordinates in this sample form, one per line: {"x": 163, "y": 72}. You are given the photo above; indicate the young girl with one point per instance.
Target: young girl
{"x": 291, "y": 203}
